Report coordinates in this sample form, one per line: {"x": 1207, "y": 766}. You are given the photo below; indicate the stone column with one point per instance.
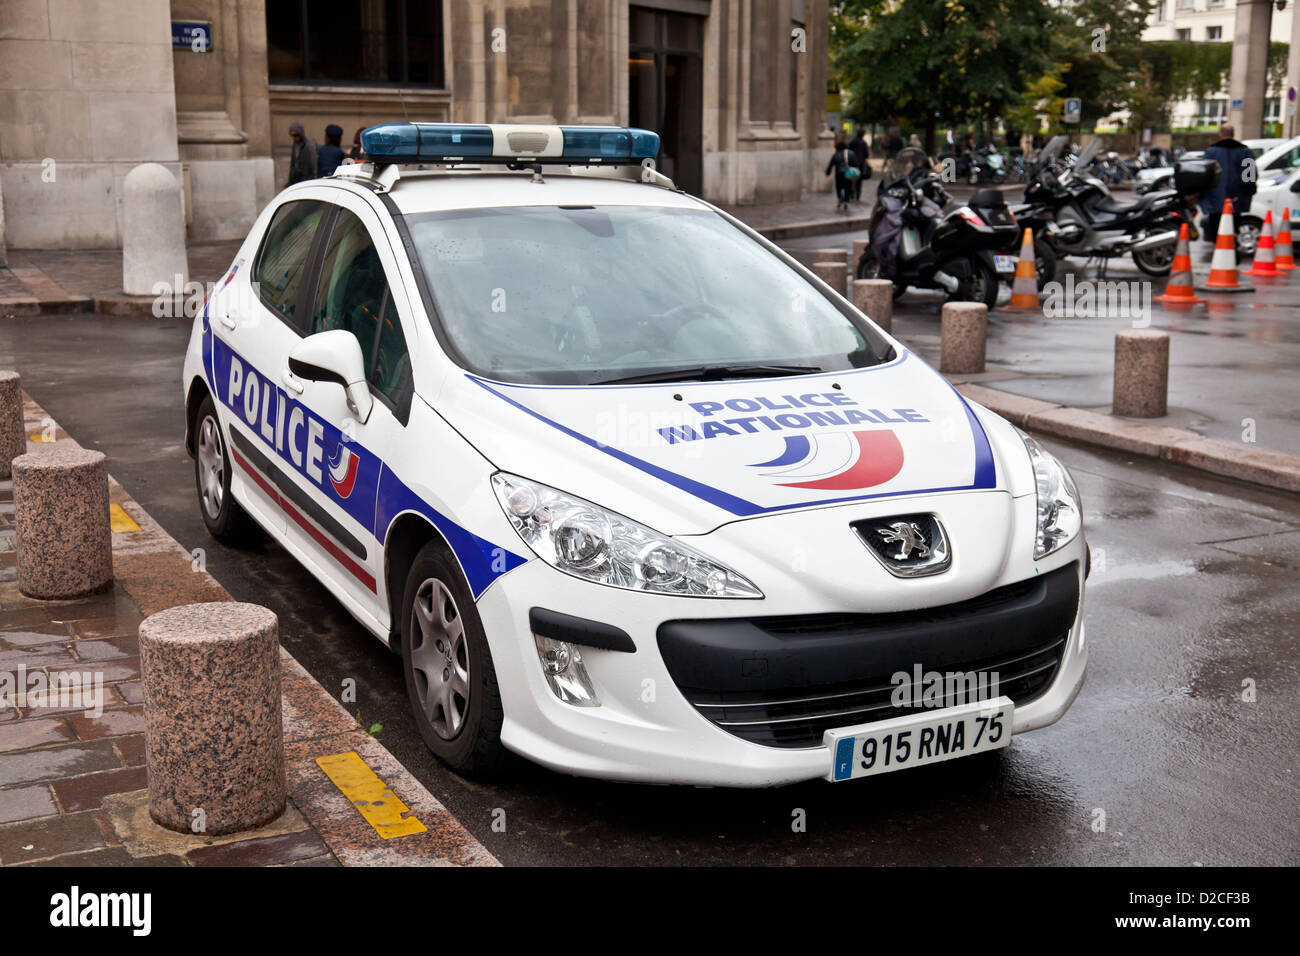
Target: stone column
{"x": 1249, "y": 78}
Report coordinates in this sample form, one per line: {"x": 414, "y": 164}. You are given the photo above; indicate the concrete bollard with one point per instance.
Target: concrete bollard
{"x": 835, "y": 254}
{"x": 875, "y": 297}
{"x": 963, "y": 328}
{"x": 214, "y": 741}
{"x": 1141, "y": 373}
{"x": 860, "y": 247}
{"x": 153, "y": 230}
{"x": 64, "y": 542}
{"x": 834, "y": 274}
{"x": 13, "y": 434}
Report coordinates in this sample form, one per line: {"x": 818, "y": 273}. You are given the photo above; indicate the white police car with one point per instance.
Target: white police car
{"x": 633, "y": 493}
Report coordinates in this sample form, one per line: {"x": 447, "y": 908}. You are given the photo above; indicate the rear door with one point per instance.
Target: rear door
{"x": 255, "y": 322}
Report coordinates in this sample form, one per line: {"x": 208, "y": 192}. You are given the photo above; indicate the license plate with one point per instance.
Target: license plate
{"x": 1005, "y": 263}
{"x": 918, "y": 739}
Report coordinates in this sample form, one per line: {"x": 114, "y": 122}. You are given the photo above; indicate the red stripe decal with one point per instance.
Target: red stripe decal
{"x": 337, "y": 553}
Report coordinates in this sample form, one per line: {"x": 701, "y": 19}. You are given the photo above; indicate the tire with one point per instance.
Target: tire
{"x": 1248, "y": 231}
{"x": 1155, "y": 262}
{"x": 450, "y": 679}
{"x": 869, "y": 268}
{"x": 222, "y": 515}
{"x": 982, "y": 286}
{"x": 1044, "y": 262}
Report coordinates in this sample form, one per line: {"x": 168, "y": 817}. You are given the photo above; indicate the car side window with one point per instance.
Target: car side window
{"x": 282, "y": 263}
{"x": 353, "y": 294}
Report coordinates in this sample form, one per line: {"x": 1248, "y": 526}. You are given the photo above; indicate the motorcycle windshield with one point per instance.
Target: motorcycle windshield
{"x": 905, "y": 163}
{"x": 1052, "y": 151}
{"x": 1089, "y": 153}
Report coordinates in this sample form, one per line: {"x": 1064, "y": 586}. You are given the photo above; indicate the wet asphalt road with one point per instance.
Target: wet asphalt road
{"x": 1194, "y": 591}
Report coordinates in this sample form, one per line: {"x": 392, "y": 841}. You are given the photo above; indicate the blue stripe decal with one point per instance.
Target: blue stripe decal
{"x": 797, "y": 448}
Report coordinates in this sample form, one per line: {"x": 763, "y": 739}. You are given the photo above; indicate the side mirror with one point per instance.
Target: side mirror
{"x": 1295, "y": 186}
{"x": 335, "y": 356}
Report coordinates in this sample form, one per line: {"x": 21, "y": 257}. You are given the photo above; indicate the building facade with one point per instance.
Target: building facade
{"x": 736, "y": 88}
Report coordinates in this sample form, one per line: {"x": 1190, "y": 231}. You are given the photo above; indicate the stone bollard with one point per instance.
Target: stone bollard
{"x": 875, "y": 297}
{"x": 153, "y": 231}
{"x": 13, "y": 434}
{"x": 859, "y": 250}
{"x": 835, "y": 254}
{"x": 1141, "y": 373}
{"x": 961, "y": 344}
{"x": 64, "y": 542}
{"x": 214, "y": 741}
{"x": 834, "y": 274}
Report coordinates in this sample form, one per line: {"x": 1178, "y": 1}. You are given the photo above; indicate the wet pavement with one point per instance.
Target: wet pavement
{"x": 1232, "y": 362}
{"x": 1193, "y": 596}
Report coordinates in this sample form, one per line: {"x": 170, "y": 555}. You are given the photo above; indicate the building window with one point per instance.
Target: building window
{"x": 1273, "y": 109}
{"x": 1210, "y": 112}
{"x": 1183, "y": 34}
{"x": 371, "y": 41}
{"x": 1160, "y": 11}
{"x": 1186, "y": 4}
{"x": 1214, "y": 33}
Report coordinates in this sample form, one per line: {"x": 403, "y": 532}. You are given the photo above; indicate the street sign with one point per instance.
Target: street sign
{"x": 1290, "y": 94}
{"x": 195, "y": 36}
{"x": 1237, "y": 105}
{"x": 1073, "y": 109}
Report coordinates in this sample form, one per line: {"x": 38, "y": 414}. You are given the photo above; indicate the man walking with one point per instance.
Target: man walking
{"x": 302, "y": 161}
{"x": 1234, "y": 159}
{"x": 330, "y": 155}
{"x": 858, "y": 147}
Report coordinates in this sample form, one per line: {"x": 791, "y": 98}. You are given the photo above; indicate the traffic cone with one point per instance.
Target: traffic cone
{"x": 1285, "y": 254}
{"x": 1265, "y": 265}
{"x": 1024, "y": 289}
{"x": 1178, "y": 290}
{"x": 1223, "y": 265}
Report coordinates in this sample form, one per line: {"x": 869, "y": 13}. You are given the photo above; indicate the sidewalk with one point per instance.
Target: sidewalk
{"x": 72, "y": 782}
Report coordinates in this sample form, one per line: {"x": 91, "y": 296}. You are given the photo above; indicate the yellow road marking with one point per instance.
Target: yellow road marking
{"x": 41, "y": 437}
{"x": 370, "y": 795}
{"x": 120, "y": 521}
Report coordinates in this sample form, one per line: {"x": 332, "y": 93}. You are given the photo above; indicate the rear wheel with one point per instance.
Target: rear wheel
{"x": 450, "y": 678}
{"x": 1044, "y": 262}
{"x": 980, "y": 286}
{"x": 222, "y": 515}
{"x": 1248, "y": 230}
{"x": 1156, "y": 261}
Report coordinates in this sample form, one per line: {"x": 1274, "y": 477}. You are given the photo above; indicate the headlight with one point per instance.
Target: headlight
{"x": 1060, "y": 513}
{"x": 591, "y": 543}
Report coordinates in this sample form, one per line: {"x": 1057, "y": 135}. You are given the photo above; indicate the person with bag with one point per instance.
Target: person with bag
{"x": 845, "y": 174}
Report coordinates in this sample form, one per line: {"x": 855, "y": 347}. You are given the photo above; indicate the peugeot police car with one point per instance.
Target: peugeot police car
{"x": 631, "y": 491}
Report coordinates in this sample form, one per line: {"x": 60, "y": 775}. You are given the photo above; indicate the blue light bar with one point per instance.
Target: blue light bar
{"x": 505, "y": 143}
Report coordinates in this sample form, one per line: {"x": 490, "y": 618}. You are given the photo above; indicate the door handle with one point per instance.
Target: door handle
{"x": 292, "y": 381}
{"x": 225, "y": 319}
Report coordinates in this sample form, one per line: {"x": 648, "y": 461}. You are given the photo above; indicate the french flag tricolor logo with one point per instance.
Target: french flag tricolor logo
{"x": 343, "y": 470}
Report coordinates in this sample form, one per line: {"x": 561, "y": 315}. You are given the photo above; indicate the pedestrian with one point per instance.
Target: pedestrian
{"x": 355, "y": 153}
{"x": 330, "y": 155}
{"x": 840, "y": 164}
{"x": 895, "y": 143}
{"x": 1233, "y": 158}
{"x": 914, "y": 141}
{"x": 302, "y": 161}
{"x": 858, "y": 146}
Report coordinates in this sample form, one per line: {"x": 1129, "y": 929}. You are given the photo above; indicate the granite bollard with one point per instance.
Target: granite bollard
{"x": 214, "y": 742}
{"x": 875, "y": 297}
{"x": 831, "y": 254}
{"x": 153, "y": 231}
{"x": 834, "y": 274}
{"x": 13, "y": 436}
{"x": 963, "y": 328}
{"x": 1141, "y": 387}
{"x": 64, "y": 542}
{"x": 860, "y": 247}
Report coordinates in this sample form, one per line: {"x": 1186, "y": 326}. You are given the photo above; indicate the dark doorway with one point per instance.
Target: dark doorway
{"x": 666, "y": 89}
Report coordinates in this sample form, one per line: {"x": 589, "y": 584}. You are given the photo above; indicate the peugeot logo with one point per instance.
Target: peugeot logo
{"x": 907, "y": 546}
{"x": 908, "y": 537}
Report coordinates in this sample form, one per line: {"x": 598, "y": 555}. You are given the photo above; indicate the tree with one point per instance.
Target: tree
{"x": 922, "y": 60}
{"x": 1101, "y": 41}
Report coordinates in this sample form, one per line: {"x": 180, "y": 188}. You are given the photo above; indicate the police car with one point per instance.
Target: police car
{"x": 631, "y": 491}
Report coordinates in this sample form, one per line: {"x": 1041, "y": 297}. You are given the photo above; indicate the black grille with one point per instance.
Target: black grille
{"x": 800, "y": 719}
{"x": 783, "y": 681}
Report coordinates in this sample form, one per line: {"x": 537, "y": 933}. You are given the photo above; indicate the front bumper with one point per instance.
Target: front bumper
{"x": 648, "y": 729}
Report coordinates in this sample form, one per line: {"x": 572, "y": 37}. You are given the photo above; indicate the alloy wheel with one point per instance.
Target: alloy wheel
{"x": 440, "y": 658}
{"x": 212, "y": 468}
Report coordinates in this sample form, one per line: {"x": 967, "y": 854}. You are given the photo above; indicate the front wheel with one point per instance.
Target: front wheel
{"x": 1248, "y": 230}
{"x": 1156, "y": 261}
{"x": 450, "y": 678}
{"x": 222, "y": 515}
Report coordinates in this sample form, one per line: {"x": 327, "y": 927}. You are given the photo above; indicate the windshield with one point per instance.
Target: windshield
{"x": 907, "y": 160}
{"x": 1089, "y": 152}
{"x": 584, "y": 295}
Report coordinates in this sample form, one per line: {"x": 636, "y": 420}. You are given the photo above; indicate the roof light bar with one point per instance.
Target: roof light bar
{"x": 503, "y": 143}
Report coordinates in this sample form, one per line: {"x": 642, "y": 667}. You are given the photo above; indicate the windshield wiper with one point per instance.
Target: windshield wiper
{"x": 712, "y": 373}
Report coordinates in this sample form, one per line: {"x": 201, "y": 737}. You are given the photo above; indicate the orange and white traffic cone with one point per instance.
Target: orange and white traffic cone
{"x": 1178, "y": 290}
{"x": 1223, "y": 264}
{"x": 1265, "y": 265}
{"x": 1285, "y": 254}
{"x": 1024, "y": 289}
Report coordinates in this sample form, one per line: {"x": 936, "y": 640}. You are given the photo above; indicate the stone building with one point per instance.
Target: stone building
{"x": 736, "y": 88}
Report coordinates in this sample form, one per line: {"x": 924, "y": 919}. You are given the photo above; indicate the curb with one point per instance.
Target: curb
{"x": 815, "y": 227}
{"x": 157, "y": 573}
{"x": 1255, "y": 465}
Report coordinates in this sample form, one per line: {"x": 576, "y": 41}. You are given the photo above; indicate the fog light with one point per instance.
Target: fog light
{"x": 565, "y": 673}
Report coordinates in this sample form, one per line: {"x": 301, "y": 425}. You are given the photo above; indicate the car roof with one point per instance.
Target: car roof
{"x": 1274, "y": 152}
{"x": 420, "y": 191}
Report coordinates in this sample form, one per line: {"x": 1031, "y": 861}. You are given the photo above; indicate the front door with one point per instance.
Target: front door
{"x": 666, "y": 89}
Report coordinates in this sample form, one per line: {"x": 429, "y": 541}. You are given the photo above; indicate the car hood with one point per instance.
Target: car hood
{"x": 685, "y": 458}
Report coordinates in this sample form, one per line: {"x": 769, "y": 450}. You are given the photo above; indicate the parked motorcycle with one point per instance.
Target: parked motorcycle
{"x": 1090, "y": 223}
{"x": 992, "y": 207}
{"x": 914, "y": 243}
